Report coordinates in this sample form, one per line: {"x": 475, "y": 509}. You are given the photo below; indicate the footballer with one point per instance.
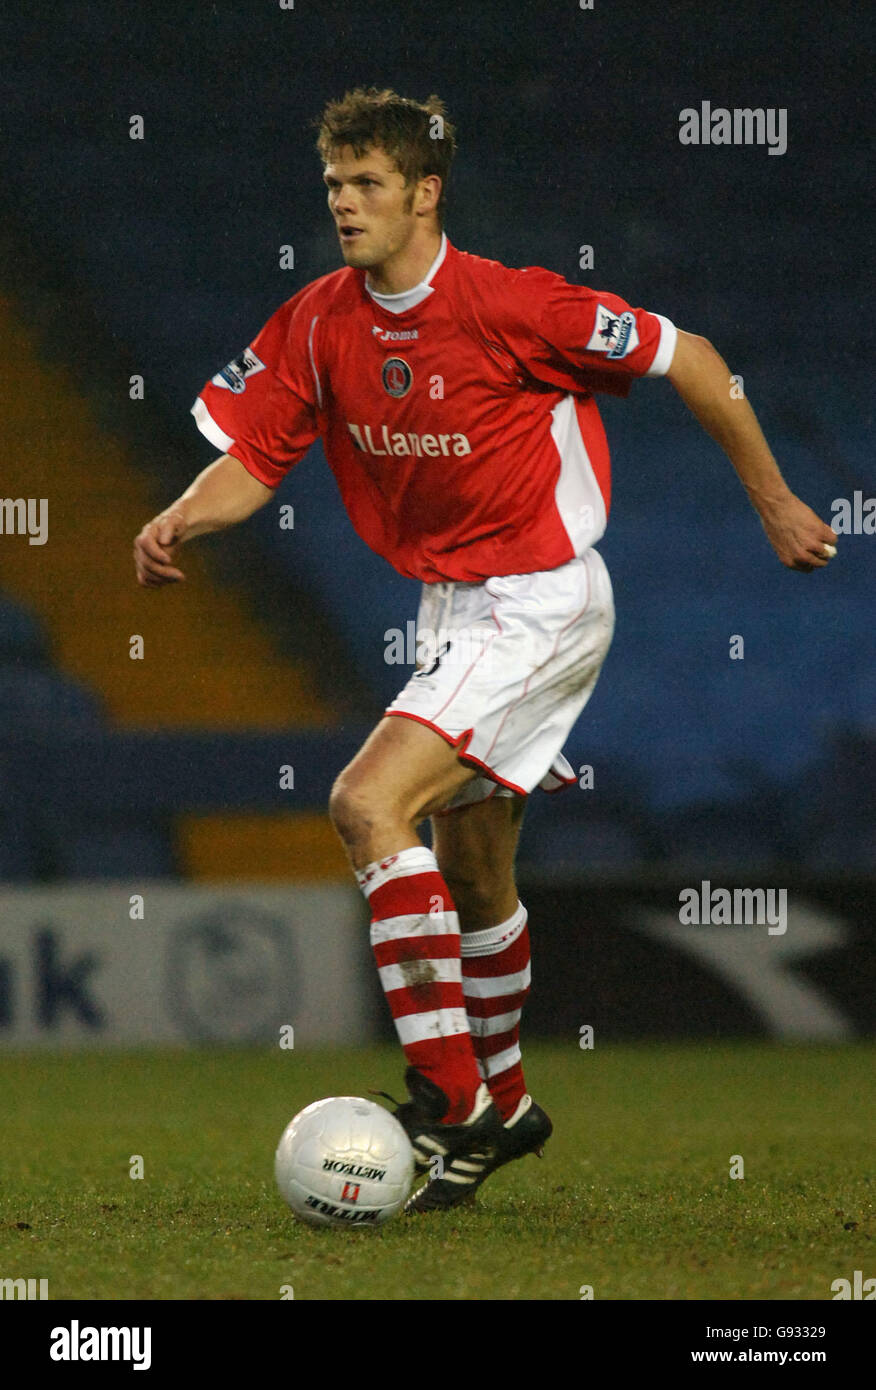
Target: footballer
{"x": 456, "y": 399}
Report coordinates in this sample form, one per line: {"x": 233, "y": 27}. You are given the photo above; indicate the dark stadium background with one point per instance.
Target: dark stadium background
{"x": 160, "y": 258}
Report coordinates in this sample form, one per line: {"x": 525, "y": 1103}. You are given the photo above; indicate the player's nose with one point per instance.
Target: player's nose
{"x": 344, "y": 202}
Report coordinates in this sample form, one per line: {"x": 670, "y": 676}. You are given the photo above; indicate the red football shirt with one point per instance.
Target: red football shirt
{"x": 462, "y": 431}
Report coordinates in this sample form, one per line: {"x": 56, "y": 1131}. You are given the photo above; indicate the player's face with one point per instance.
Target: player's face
{"x": 372, "y": 207}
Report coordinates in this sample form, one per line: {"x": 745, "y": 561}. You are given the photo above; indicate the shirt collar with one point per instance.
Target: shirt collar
{"x": 409, "y": 299}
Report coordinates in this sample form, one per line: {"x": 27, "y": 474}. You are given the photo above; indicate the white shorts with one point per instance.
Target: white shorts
{"x": 505, "y": 668}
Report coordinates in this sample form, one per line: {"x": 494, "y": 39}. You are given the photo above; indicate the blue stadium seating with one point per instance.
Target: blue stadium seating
{"x": 21, "y": 844}
{"x": 22, "y": 639}
{"x": 39, "y": 840}
{"x": 138, "y": 848}
{"x": 32, "y": 700}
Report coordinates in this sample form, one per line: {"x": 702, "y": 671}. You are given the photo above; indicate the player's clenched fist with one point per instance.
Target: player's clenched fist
{"x": 799, "y": 537}
{"x": 154, "y": 550}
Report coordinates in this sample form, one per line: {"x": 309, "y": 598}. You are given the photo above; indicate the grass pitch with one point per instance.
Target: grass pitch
{"x": 633, "y": 1198}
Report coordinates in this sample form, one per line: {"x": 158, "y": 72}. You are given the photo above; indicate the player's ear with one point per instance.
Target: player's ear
{"x": 428, "y": 194}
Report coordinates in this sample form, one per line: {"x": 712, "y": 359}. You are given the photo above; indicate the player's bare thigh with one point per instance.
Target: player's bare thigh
{"x": 475, "y": 848}
{"x": 402, "y": 772}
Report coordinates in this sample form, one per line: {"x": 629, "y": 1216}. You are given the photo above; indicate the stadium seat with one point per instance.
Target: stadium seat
{"x": 32, "y": 701}
{"x": 21, "y": 856}
{"x": 109, "y": 849}
{"x": 22, "y": 639}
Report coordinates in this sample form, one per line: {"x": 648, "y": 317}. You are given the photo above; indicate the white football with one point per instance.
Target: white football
{"x": 344, "y": 1161}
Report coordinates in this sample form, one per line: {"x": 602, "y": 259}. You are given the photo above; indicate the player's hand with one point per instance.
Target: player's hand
{"x": 796, "y": 534}
{"x": 154, "y": 550}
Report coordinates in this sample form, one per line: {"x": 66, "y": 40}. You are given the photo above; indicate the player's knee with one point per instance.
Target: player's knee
{"x": 348, "y": 810}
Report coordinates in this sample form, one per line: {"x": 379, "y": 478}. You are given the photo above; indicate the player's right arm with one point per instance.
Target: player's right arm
{"x": 263, "y": 406}
{"x": 224, "y": 494}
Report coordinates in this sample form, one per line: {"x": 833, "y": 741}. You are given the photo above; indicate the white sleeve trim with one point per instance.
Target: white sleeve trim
{"x": 313, "y": 322}
{"x": 208, "y": 427}
{"x": 665, "y": 348}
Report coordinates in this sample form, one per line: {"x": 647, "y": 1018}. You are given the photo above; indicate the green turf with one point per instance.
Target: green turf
{"x": 633, "y": 1196}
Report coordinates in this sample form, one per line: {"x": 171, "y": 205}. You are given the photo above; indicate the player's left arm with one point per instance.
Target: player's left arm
{"x": 703, "y": 380}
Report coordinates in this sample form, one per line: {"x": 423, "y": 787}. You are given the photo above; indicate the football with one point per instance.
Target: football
{"x": 344, "y": 1161}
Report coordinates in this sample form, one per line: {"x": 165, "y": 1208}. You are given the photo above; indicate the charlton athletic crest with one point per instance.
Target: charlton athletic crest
{"x": 397, "y": 376}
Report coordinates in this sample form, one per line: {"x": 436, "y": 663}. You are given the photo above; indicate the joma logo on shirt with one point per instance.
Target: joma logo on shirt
{"x": 391, "y": 335}
{"x": 411, "y": 444}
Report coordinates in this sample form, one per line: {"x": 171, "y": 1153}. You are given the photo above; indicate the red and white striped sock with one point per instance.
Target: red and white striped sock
{"x": 415, "y": 936}
{"x": 495, "y": 979}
